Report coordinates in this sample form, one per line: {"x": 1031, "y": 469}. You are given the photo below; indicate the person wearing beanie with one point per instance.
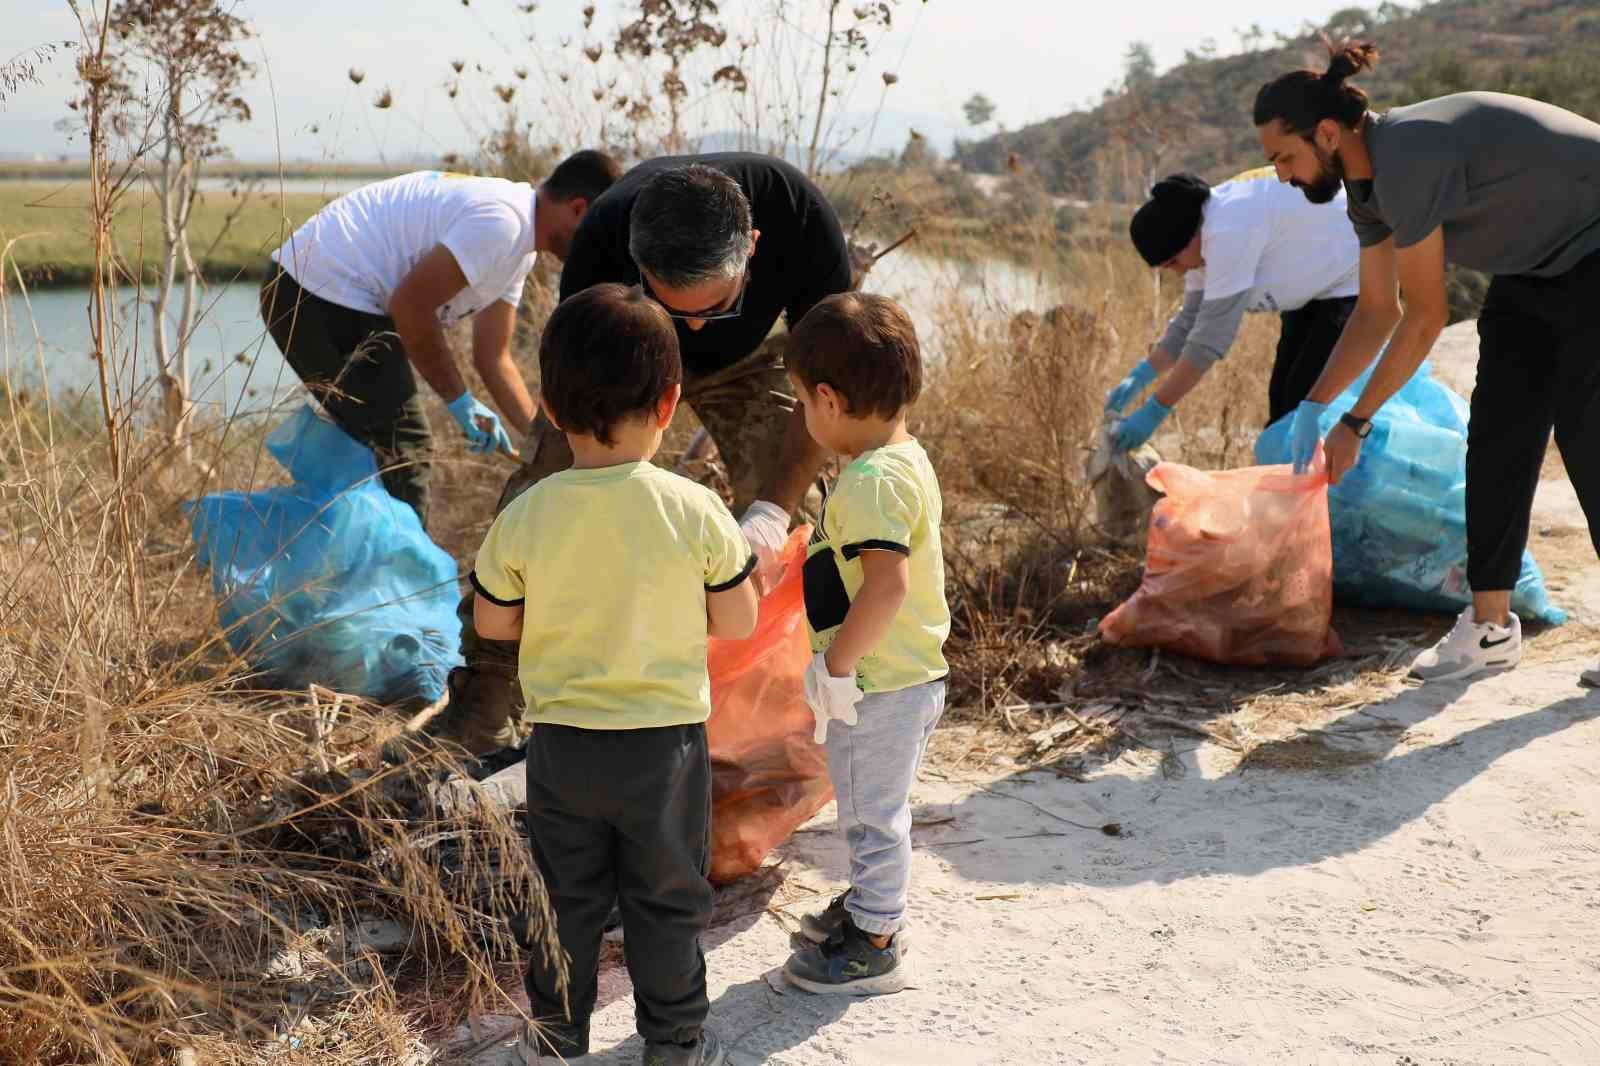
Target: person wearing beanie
{"x": 1249, "y": 244}
{"x": 1488, "y": 181}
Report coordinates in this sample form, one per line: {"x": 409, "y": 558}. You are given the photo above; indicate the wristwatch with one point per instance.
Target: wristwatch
{"x": 1357, "y": 425}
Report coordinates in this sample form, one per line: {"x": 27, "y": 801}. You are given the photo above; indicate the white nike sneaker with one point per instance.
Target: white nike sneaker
{"x": 1591, "y": 675}
{"x": 1470, "y": 649}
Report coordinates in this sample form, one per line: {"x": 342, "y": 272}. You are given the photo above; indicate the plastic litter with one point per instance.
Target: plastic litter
{"x": 1399, "y": 517}
{"x": 1122, "y": 497}
{"x": 1239, "y": 569}
{"x": 330, "y": 580}
{"x": 767, "y": 777}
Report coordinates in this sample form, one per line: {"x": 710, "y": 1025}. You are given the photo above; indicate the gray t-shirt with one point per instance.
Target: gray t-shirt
{"x": 1514, "y": 182}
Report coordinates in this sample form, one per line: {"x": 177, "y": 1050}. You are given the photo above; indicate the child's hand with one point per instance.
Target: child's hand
{"x": 766, "y": 526}
{"x": 829, "y": 697}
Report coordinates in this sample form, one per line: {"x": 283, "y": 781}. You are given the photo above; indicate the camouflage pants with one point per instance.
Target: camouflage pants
{"x": 746, "y": 408}
{"x": 352, "y": 362}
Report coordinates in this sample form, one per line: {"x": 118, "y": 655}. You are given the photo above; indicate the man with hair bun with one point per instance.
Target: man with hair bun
{"x": 1492, "y": 182}
{"x": 1248, "y": 244}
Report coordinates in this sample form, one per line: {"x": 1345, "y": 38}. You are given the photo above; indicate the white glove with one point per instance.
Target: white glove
{"x": 829, "y": 697}
{"x": 766, "y": 526}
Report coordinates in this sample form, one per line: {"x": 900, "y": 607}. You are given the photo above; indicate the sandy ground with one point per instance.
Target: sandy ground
{"x": 1423, "y": 890}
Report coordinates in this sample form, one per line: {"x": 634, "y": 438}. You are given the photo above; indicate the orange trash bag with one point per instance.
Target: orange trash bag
{"x": 767, "y": 777}
{"x": 1239, "y": 569}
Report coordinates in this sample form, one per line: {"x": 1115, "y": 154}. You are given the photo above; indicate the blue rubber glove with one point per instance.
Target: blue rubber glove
{"x": 1132, "y": 385}
{"x": 1134, "y": 430}
{"x": 481, "y": 425}
{"x": 1305, "y": 434}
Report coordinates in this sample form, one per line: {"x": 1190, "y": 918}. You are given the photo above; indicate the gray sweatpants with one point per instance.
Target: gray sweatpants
{"x": 873, "y": 764}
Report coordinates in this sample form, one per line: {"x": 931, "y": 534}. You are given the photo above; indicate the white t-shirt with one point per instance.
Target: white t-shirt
{"x": 1262, "y": 237}
{"x": 357, "y": 250}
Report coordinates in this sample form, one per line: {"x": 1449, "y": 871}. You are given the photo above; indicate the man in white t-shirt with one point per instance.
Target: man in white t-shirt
{"x": 359, "y": 297}
{"x": 1249, "y": 244}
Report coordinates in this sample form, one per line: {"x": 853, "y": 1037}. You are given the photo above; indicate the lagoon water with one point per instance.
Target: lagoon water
{"x": 237, "y": 369}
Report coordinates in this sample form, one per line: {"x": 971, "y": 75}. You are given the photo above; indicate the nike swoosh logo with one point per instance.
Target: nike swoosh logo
{"x": 1486, "y": 643}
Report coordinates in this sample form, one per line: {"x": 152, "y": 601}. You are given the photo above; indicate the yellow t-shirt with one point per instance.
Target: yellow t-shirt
{"x": 611, "y": 567}
{"x": 887, "y": 499}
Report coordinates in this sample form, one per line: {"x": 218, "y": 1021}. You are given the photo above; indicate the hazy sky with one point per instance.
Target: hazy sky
{"x": 1034, "y": 58}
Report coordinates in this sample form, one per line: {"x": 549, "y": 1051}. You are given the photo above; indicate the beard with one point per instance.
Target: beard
{"x": 1328, "y": 182}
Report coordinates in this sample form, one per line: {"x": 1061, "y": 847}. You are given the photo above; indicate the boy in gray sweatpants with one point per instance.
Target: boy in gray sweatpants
{"x": 874, "y": 590}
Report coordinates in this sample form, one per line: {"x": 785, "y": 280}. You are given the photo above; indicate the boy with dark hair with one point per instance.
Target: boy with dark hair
{"x": 611, "y": 575}
{"x": 874, "y": 589}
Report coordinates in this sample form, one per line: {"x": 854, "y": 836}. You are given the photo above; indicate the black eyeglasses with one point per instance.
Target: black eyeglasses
{"x": 732, "y": 311}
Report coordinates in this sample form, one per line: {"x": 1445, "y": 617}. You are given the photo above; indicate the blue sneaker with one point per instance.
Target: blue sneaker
{"x": 848, "y": 964}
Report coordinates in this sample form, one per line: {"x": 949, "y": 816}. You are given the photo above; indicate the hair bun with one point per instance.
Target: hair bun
{"x": 1182, "y": 188}
{"x": 1347, "y": 59}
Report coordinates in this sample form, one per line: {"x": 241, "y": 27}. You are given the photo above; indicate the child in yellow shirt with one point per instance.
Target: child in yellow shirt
{"x": 875, "y": 605}
{"x": 611, "y": 575}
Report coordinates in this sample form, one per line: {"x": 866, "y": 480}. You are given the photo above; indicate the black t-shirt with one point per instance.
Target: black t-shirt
{"x": 800, "y": 256}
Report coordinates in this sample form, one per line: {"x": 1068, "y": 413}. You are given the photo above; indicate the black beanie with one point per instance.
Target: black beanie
{"x": 1166, "y": 224}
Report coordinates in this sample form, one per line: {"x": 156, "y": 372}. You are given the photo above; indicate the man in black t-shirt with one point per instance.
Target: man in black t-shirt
{"x": 727, "y": 242}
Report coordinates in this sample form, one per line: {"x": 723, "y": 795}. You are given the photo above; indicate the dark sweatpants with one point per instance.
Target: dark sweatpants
{"x": 1538, "y": 367}
{"x": 353, "y": 364}
{"x": 624, "y": 816}
{"x": 1306, "y": 341}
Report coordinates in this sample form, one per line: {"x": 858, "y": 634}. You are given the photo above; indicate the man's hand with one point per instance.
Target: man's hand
{"x": 1304, "y": 433}
{"x": 1131, "y": 386}
{"x": 1343, "y": 449}
{"x": 1133, "y": 431}
{"x": 766, "y": 526}
{"x": 481, "y": 425}
{"x": 830, "y": 698}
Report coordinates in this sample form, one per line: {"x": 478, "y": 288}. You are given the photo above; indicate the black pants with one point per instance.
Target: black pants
{"x": 624, "y": 816}
{"x": 1306, "y": 341}
{"x": 353, "y": 364}
{"x": 1538, "y": 368}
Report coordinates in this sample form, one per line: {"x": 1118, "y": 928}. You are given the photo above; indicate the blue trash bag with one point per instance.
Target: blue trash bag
{"x": 330, "y": 580}
{"x": 1399, "y": 518}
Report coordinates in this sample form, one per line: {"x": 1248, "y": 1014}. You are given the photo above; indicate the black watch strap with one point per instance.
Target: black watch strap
{"x": 1358, "y": 425}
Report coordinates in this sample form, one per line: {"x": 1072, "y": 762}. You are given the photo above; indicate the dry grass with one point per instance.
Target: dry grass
{"x": 186, "y": 854}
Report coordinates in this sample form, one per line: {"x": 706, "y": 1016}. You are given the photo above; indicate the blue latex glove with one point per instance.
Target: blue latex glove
{"x": 1305, "y": 434}
{"x": 1134, "y": 430}
{"x": 1132, "y": 385}
{"x": 481, "y": 425}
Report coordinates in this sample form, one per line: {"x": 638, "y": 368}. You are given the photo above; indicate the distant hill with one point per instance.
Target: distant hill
{"x": 1197, "y": 116}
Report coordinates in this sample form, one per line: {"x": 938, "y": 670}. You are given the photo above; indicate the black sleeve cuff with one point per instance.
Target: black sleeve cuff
{"x": 850, "y": 551}
{"x": 749, "y": 568}
{"x": 491, "y": 597}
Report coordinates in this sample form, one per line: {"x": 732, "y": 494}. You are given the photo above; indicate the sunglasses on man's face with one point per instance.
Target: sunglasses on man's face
{"x": 733, "y": 310}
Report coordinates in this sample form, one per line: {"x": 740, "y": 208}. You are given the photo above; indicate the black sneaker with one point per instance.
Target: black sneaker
{"x": 706, "y": 1052}
{"x": 552, "y": 1045}
{"x": 822, "y": 925}
{"x": 848, "y": 964}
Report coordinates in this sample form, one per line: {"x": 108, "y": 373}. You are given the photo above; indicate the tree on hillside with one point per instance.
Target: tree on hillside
{"x": 979, "y": 109}
{"x": 1349, "y": 22}
{"x": 1138, "y": 67}
{"x": 178, "y": 75}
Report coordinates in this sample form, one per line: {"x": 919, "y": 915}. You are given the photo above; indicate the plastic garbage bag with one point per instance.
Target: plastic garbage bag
{"x": 1239, "y": 569}
{"x": 1399, "y": 517}
{"x": 767, "y": 777}
{"x": 330, "y": 580}
{"x": 1122, "y": 497}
